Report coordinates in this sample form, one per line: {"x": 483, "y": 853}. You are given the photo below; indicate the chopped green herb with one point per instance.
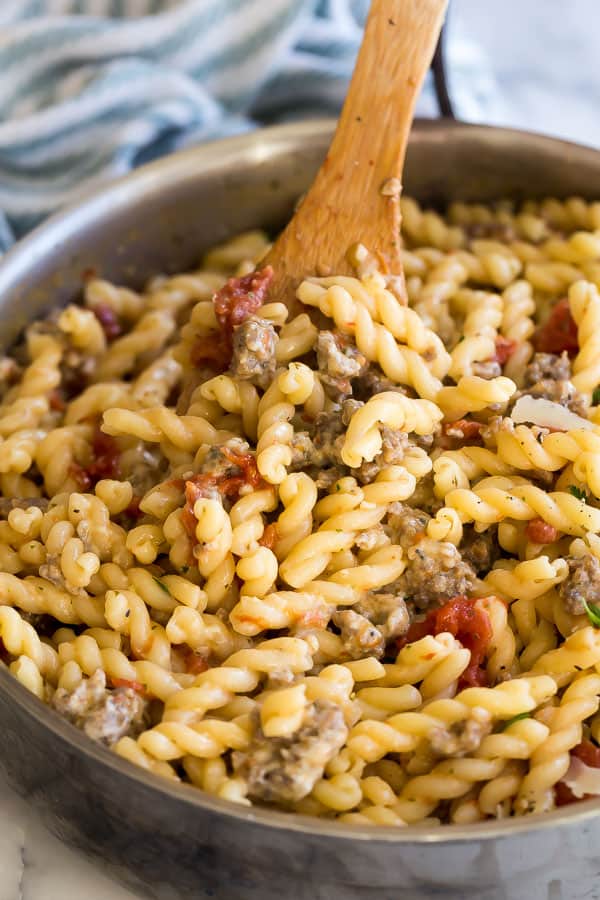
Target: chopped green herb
{"x": 524, "y": 715}
{"x": 593, "y": 613}
{"x": 578, "y": 492}
{"x": 461, "y": 338}
{"x": 596, "y": 396}
{"x": 185, "y": 569}
{"x": 161, "y": 585}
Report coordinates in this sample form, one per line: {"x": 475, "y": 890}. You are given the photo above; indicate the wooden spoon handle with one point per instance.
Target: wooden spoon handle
{"x": 355, "y": 196}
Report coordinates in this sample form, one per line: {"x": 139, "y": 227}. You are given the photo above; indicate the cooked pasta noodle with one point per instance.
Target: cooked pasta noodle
{"x": 346, "y": 563}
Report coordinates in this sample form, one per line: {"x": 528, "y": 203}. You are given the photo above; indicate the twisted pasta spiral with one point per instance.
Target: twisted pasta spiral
{"x": 584, "y": 302}
{"x": 551, "y": 760}
{"x": 363, "y": 438}
{"x": 21, "y": 639}
{"x": 480, "y": 327}
{"x": 496, "y": 498}
{"x": 154, "y": 425}
{"x": 89, "y": 656}
{"x": 404, "y": 365}
{"x": 473, "y": 394}
{"x": 292, "y": 387}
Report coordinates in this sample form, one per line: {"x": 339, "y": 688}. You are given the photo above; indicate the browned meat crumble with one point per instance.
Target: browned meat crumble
{"x": 254, "y": 346}
{"x": 548, "y": 376}
{"x": 480, "y": 550}
{"x": 104, "y": 715}
{"x": 582, "y": 583}
{"x": 462, "y": 738}
{"x": 435, "y": 572}
{"x": 339, "y": 361}
{"x": 407, "y": 524}
{"x": 359, "y": 636}
{"x": 284, "y": 770}
{"x": 387, "y": 611}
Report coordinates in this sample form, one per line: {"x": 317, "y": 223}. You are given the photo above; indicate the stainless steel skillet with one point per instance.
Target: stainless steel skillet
{"x": 173, "y": 841}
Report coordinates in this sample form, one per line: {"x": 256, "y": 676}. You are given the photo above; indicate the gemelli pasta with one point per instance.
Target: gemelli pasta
{"x": 345, "y": 562}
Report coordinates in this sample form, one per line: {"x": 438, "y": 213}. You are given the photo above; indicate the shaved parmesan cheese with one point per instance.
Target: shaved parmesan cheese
{"x": 547, "y": 414}
{"x": 582, "y": 779}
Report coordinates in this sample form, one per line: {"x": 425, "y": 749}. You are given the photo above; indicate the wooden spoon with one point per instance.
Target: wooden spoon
{"x": 355, "y": 197}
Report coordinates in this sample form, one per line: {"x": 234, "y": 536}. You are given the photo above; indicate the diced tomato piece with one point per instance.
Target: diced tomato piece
{"x": 133, "y": 511}
{"x": 214, "y": 352}
{"x": 588, "y": 753}
{"x": 247, "y": 463}
{"x": 463, "y": 429}
{"x": 563, "y": 795}
{"x": 57, "y": 402}
{"x": 109, "y": 321}
{"x": 269, "y": 537}
{"x": 559, "y": 333}
{"x": 136, "y": 686}
{"x": 195, "y": 663}
{"x": 105, "y": 462}
{"x": 470, "y": 624}
{"x": 417, "y": 631}
{"x": 541, "y": 532}
{"x": 195, "y": 488}
{"x": 504, "y": 349}
{"x": 239, "y": 298}
{"x": 474, "y": 676}
{"x": 203, "y": 484}
{"x": 81, "y": 476}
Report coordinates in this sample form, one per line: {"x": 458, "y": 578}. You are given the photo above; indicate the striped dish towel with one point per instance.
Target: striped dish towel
{"x": 90, "y": 89}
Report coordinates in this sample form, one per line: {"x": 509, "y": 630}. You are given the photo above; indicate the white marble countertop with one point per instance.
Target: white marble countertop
{"x": 36, "y": 866}
{"x": 544, "y": 58}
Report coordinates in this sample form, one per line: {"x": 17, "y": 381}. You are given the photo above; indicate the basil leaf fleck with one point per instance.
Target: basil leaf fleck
{"x": 593, "y": 613}
{"x": 523, "y": 715}
{"x": 577, "y": 492}
{"x": 161, "y": 585}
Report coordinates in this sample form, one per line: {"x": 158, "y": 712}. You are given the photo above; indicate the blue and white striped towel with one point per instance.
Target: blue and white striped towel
{"x": 91, "y": 88}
